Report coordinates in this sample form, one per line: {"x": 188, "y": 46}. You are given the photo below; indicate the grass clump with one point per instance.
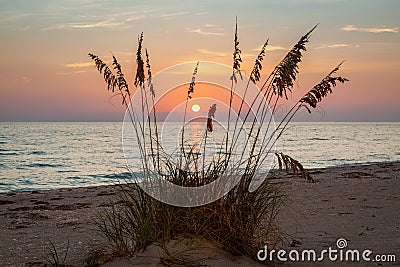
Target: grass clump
{"x": 240, "y": 220}
{"x": 54, "y": 257}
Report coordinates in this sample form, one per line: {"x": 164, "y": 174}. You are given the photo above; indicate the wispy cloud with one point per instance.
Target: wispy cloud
{"x": 333, "y": 46}
{"x": 213, "y": 53}
{"x": 101, "y": 24}
{"x": 173, "y": 15}
{"x": 109, "y": 23}
{"x": 79, "y": 65}
{"x": 353, "y": 28}
{"x": 15, "y": 20}
{"x": 11, "y": 17}
{"x": 272, "y": 48}
{"x": 80, "y": 71}
{"x": 201, "y": 31}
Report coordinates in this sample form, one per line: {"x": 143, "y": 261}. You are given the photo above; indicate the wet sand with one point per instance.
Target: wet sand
{"x": 358, "y": 203}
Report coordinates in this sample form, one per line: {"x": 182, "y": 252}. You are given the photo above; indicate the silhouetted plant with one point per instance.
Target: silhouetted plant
{"x": 240, "y": 220}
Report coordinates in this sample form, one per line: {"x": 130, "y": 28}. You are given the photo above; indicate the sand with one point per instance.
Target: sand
{"x": 358, "y": 203}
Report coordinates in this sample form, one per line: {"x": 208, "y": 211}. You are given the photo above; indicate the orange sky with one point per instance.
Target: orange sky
{"x": 45, "y": 74}
{"x": 202, "y": 90}
{"x": 205, "y": 95}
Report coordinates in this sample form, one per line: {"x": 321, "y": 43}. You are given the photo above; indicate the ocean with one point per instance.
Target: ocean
{"x": 48, "y": 155}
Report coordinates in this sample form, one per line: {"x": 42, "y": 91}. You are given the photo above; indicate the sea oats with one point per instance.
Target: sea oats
{"x": 240, "y": 218}
{"x": 322, "y": 89}
{"x": 285, "y": 73}
{"x": 193, "y": 82}
{"x": 139, "y": 79}
{"x": 237, "y": 58}
{"x": 149, "y": 76}
{"x": 211, "y": 114}
{"x": 256, "y": 73}
{"x": 295, "y": 166}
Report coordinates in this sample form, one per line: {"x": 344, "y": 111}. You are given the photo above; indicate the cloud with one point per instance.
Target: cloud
{"x": 12, "y": 17}
{"x": 76, "y": 14}
{"x": 11, "y": 20}
{"x": 173, "y": 15}
{"x": 213, "y": 53}
{"x": 109, "y": 23}
{"x": 200, "y": 31}
{"x": 65, "y": 73}
{"x": 101, "y": 24}
{"x": 272, "y": 48}
{"x": 80, "y": 65}
{"x": 352, "y": 28}
{"x": 333, "y": 46}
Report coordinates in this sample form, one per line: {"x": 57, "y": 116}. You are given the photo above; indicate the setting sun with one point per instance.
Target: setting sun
{"x": 195, "y": 108}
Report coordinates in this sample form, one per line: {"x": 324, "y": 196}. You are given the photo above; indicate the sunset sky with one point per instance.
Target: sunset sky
{"x": 46, "y": 75}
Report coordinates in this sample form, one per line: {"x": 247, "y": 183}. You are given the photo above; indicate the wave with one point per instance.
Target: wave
{"x": 319, "y": 139}
{"x": 9, "y": 153}
{"x": 99, "y": 158}
{"x": 114, "y": 176}
{"x": 43, "y": 165}
{"x": 37, "y": 153}
{"x": 362, "y": 163}
{"x": 66, "y": 171}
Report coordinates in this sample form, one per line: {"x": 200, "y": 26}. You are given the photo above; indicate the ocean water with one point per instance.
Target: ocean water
{"x": 46, "y": 155}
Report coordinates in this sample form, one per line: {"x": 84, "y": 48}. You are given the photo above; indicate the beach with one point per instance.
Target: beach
{"x": 359, "y": 203}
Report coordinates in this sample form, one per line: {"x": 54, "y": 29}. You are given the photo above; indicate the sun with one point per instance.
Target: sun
{"x": 196, "y": 108}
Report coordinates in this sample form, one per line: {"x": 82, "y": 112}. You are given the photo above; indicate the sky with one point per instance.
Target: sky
{"x": 46, "y": 75}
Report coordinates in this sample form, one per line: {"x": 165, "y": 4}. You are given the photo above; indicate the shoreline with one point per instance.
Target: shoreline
{"x": 345, "y": 165}
{"x": 359, "y": 203}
